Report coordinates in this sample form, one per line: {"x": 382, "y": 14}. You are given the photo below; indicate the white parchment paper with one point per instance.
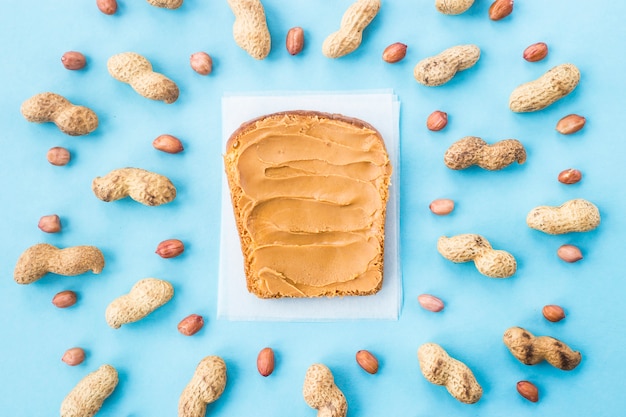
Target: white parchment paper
{"x": 379, "y": 108}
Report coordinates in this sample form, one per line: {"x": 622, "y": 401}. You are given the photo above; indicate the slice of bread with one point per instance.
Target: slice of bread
{"x": 309, "y": 193}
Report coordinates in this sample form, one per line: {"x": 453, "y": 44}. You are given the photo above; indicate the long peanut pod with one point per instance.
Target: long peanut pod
{"x": 136, "y": 70}
{"x": 578, "y": 215}
{"x": 441, "y": 68}
{"x": 440, "y": 368}
{"x": 250, "y": 29}
{"x": 88, "y": 396}
{"x": 472, "y": 150}
{"x": 453, "y": 7}
{"x": 321, "y": 393}
{"x": 166, "y": 4}
{"x": 531, "y": 350}
{"x": 144, "y": 297}
{"x": 206, "y": 386}
{"x": 69, "y": 118}
{"x": 545, "y": 90}
{"x": 350, "y": 34}
{"x": 148, "y": 188}
{"x": 42, "y": 258}
{"x": 473, "y": 247}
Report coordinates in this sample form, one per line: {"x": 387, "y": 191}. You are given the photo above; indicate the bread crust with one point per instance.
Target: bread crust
{"x": 251, "y": 124}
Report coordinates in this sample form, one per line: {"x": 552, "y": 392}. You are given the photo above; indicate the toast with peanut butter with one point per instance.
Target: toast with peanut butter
{"x": 309, "y": 192}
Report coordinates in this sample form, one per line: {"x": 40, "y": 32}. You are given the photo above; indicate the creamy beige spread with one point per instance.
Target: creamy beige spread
{"x": 314, "y": 192}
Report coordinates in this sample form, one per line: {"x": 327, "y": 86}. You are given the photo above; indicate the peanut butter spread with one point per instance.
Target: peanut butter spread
{"x": 309, "y": 193}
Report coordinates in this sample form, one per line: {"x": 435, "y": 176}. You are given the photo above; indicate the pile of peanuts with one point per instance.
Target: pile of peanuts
{"x": 251, "y": 33}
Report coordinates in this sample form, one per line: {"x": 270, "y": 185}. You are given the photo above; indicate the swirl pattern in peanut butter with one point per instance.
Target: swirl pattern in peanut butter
{"x": 309, "y": 193}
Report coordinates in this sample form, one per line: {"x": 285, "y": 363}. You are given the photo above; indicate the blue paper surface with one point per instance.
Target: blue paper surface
{"x": 155, "y": 362}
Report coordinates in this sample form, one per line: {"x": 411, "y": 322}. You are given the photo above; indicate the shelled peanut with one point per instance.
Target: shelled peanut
{"x": 64, "y": 299}
{"x": 553, "y": 313}
{"x": 58, "y": 156}
{"x": 294, "y": 41}
{"x": 394, "y": 52}
{"x": 528, "y": 390}
{"x": 201, "y": 62}
{"x": 442, "y": 206}
{"x": 168, "y": 144}
{"x": 569, "y": 253}
{"x": 191, "y": 324}
{"x": 535, "y": 52}
{"x": 108, "y": 7}
{"x": 437, "y": 120}
{"x": 570, "y": 176}
{"x": 570, "y": 124}
{"x": 430, "y": 302}
{"x": 367, "y": 361}
{"x": 50, "y": 223}
{"x": 266, "y": 361}
{"x": 74, "y": 356}
{"x": 500, "y": 9}
{"x": 170, "y": 248}
{"x": 73, "y": 60}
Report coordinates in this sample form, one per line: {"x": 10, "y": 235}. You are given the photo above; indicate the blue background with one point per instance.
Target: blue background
{"x": 155, "y": 362}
